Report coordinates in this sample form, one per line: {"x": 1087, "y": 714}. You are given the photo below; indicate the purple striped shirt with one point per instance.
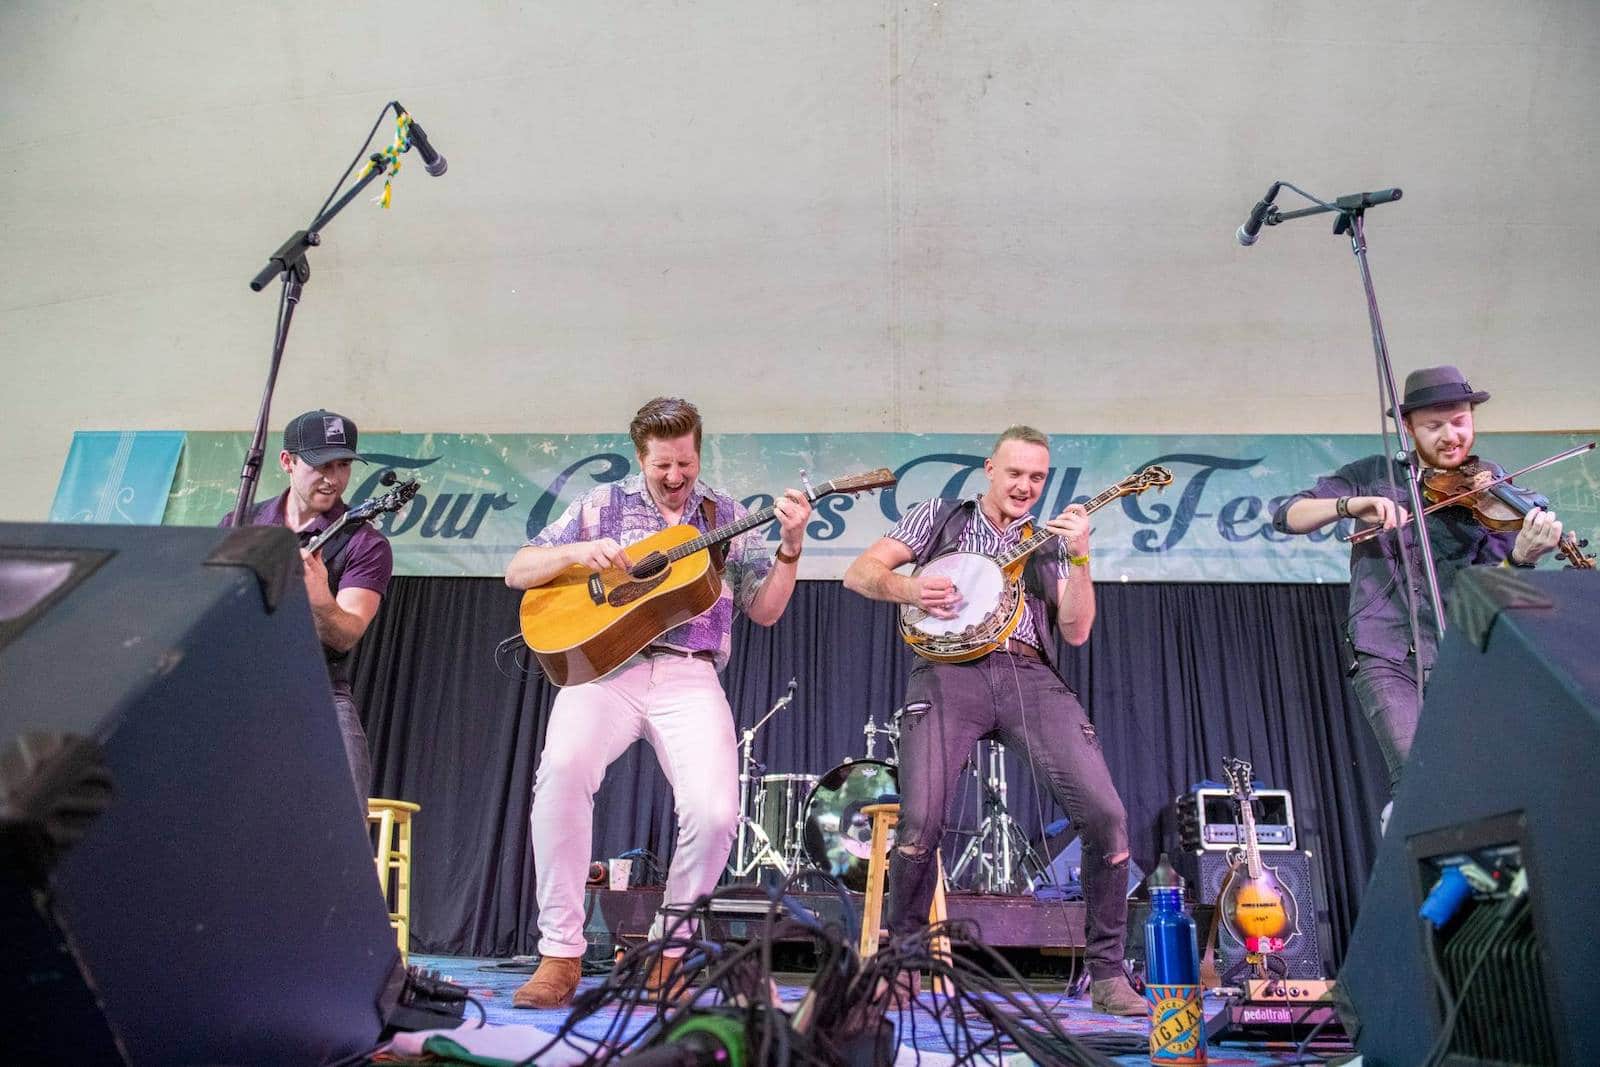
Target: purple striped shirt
{"x": 915, "y": 531}
{"x": 624, "y": 512}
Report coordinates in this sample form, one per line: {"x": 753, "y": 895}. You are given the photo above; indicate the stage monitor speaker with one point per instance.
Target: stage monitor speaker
{"x": 185, "y": 873}
{"x": 1305, "y": 954}
{"x": 1501, "y": 775}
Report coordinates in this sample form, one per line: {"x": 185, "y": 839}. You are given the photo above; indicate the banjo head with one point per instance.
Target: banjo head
{"x": 979, "y": 580}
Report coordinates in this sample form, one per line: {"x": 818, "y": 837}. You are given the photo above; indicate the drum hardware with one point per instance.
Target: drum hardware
{"x": 1005, "y": 861}
{"x": 780, "y": 812}
{"x": 872, "y": 730}
{"x": 753, "y": 846}
{"x": 891, "y": 730}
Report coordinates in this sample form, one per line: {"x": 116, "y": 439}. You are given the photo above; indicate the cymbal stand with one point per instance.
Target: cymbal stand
{"x": 752, "y": 847}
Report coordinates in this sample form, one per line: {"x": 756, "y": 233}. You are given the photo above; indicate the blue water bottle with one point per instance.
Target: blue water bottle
{"x": 1172, "y": 973}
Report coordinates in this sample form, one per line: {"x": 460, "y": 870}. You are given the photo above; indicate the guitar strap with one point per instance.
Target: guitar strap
{"x": 333, "y": 558}
{"x": 708, "y": 515}
{"x": 332, "y": 549}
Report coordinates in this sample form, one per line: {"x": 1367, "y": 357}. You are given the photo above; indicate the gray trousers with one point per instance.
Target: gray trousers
{"x": 1028, "y": 707}
{"x": 1387, "y": 693}
{"x": 355, "y": 742}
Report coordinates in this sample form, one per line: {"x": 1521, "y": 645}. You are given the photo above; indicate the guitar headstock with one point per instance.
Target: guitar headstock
{"x": 1151, "y": 477}
{"x": 856, "y": 483}
{"x": 1239, "y": 774}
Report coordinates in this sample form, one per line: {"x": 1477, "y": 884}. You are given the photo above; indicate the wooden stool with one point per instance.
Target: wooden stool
{"x": 884, "y": 817}
{"x": 392, "y": 853}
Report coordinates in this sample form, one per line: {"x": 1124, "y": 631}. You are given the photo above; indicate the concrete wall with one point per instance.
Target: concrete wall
{"x": 805, "y": 216}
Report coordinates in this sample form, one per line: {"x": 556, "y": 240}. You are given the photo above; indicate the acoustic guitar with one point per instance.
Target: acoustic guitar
{"x": 1258, "y": 909}
{"x": 991, "y": 589}
{"x": 584, "y": 624}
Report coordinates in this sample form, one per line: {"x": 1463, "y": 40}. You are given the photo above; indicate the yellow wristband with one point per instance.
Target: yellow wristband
{"x": 1078, "y": 561}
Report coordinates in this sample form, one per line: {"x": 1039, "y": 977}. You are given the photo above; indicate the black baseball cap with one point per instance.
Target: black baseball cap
{"x": 320, "y": 437}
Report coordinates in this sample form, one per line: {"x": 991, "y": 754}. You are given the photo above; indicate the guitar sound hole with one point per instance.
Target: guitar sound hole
{"x": 648, "y": 567}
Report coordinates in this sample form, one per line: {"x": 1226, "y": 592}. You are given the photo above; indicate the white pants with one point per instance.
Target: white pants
{"x": 677, "y": 705}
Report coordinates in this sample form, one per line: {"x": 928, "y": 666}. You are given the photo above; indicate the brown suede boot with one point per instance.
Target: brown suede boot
{"x": 552, "y": 985}
{"x": 664, "y": 983}
{"x": 1114, "y": 996}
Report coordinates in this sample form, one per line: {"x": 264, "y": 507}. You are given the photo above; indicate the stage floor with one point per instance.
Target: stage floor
{"x": 492, "y": 982}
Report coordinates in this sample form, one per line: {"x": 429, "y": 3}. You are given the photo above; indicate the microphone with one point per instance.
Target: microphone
{"x": 1251, "y": 230}
{"x": 792, "y": 683}
{"x": 1364, "y": 200}
{"x": 432, "y": 161}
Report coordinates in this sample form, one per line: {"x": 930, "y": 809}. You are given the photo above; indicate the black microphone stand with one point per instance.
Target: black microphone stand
{"x": 1351, "y": 211}
{"x": 289, "y": 262}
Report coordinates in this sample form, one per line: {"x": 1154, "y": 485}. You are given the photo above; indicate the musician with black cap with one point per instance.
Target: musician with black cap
{"x": 1438, "y": 410}
{"x": 347, "y": 576}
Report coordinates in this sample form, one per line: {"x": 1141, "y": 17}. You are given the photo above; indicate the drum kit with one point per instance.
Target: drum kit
{"x": 800, "y": 824}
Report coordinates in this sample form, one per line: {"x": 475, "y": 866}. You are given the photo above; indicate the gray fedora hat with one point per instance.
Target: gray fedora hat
{"x": 1431, "y": 386}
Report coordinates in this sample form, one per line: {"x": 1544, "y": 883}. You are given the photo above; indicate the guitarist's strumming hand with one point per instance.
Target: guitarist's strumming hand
{"x": 937, "y": 595}
{"x": 793, "y": 511}
{"x": 599, "y": 555}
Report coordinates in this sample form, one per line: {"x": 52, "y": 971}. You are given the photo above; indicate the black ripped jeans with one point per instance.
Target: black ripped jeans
{"x": 1029, "y": 708}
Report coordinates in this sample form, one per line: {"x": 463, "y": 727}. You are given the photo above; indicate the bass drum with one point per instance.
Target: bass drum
{"x": 838, "y": 838}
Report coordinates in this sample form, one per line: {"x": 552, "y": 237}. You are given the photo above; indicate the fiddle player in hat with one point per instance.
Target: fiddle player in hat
{"x": 1438, "y": 410}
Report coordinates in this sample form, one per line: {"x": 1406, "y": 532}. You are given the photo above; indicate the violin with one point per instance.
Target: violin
{"x": 1493, "y": 500}
{"x": 1496, "y": 504}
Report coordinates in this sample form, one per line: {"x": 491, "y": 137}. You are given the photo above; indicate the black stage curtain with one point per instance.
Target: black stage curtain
{"x": 1175, "y": 676}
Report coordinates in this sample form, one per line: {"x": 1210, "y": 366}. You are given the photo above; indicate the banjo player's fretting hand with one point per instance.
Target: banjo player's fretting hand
{"x": 1072, "y": 526}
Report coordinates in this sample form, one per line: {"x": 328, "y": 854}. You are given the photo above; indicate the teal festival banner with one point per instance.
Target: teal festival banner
{"x": 484, "y": 495}
{"x": 118, "y": 477}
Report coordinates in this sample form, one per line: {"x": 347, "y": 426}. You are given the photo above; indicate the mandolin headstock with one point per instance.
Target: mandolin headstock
{"x": 1239, "y": 773}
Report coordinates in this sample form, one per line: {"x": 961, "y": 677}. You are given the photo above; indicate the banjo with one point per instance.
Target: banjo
{"x": 991, "y": 589}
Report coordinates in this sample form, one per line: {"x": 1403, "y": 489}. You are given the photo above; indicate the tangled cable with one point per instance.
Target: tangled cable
{"x": 855, "y": 1011}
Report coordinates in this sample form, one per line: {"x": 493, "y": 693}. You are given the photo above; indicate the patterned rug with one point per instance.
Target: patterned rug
{"x": 491, "y": 984}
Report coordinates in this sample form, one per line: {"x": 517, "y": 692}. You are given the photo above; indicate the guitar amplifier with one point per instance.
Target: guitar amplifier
{"x": 1305, "y": 952}
{"x": 1208, "y": 820}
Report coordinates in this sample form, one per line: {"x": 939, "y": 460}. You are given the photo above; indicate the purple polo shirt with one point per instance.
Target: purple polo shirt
{"x": 368, "y": 559}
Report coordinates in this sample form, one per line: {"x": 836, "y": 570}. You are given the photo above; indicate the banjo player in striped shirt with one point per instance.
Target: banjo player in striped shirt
{"x": 1013, "y": 693}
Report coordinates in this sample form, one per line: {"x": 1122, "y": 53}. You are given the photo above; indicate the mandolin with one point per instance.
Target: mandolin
{"x": 393, "y": 500}
{"x": 991, "y": 589}
{"x": 1257, "y": 909}
{"x": 584, "y": 624}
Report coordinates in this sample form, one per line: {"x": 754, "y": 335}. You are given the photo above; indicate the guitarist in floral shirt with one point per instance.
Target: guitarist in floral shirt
{"x": 668, "y": 695}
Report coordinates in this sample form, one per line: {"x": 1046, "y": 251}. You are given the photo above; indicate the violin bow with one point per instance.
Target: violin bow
{"x": 1370, "y": 532}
